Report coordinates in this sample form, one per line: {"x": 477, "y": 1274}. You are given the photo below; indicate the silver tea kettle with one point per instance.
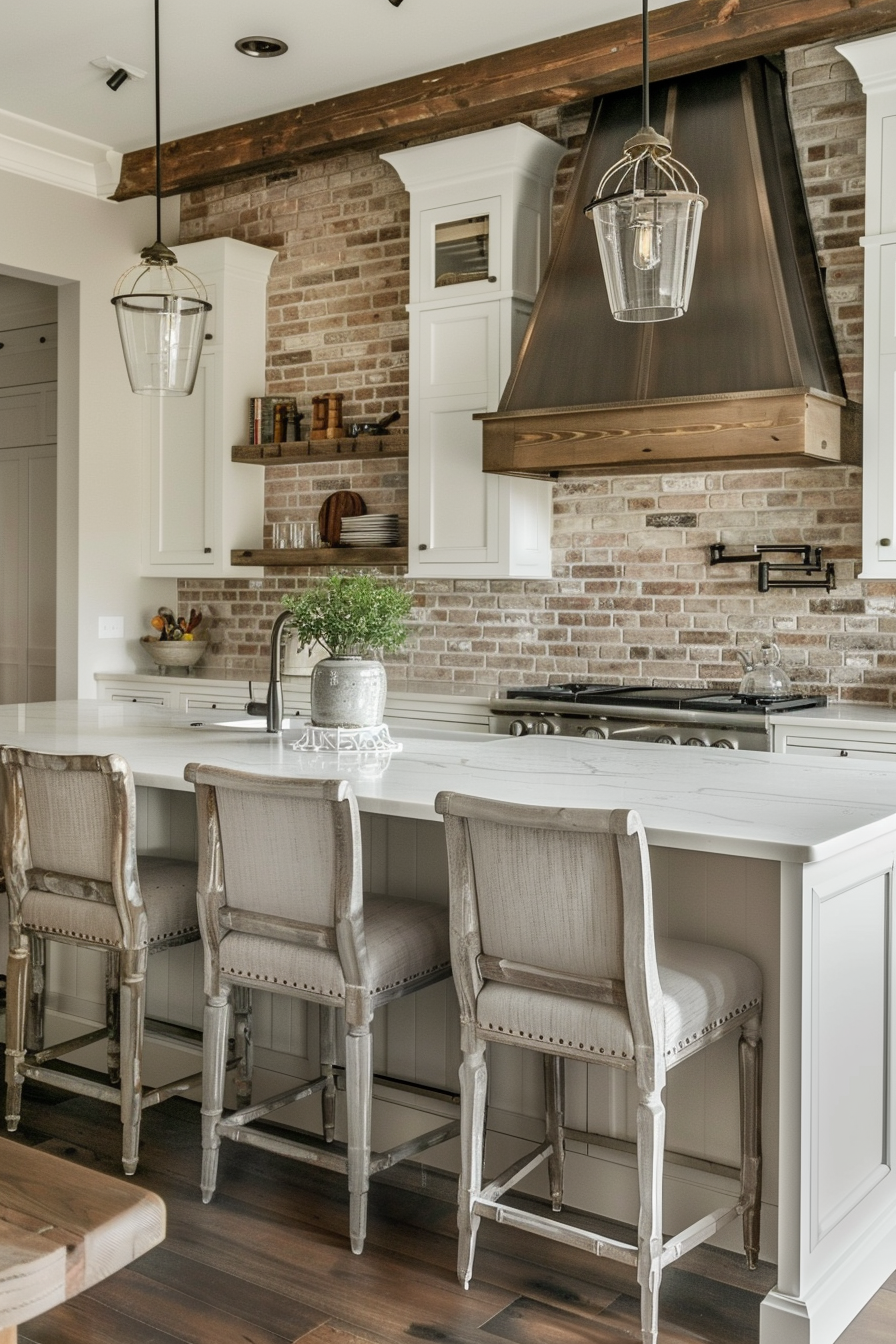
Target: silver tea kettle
{"x": 763, "y": 674}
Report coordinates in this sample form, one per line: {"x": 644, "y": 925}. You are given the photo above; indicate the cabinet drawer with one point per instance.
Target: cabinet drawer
{"x": 856, "y": 751}
{"x": 142, "y": 698}
{"x": 208, "y": 701}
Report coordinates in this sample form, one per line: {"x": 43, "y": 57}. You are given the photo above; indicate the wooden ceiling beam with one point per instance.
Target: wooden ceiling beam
{"x": 692, "y": 35}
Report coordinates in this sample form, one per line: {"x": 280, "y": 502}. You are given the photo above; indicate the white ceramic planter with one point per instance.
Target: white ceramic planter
{"x": 348, "y": 693}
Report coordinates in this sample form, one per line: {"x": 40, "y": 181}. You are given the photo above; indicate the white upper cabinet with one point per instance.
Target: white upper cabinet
{"x": 197, "y": 504}
{"x": 480, "y": 236}
{"x": 874, "y": 60}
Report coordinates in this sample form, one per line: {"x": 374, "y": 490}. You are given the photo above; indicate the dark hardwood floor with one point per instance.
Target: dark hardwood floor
{"x": 268, "y": 1261}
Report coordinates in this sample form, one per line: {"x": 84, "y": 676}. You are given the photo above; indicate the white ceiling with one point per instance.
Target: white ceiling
{"x": 335, "y": 46}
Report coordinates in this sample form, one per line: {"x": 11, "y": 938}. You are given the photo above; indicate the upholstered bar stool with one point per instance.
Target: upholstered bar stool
{"x": 281, "y": 908}
{"x": 553, "y": 949}
{"x": 68, "y": 850}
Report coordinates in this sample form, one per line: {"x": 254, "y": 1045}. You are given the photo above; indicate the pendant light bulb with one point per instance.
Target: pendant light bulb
{"x": 648, "y": 241}
{"x": 161, "y": 307}
{"x": 646, "y": 214}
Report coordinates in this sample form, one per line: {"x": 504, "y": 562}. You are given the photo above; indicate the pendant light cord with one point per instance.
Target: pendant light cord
{"x": 159, "y": 133}
{"x": 645, "y": 65}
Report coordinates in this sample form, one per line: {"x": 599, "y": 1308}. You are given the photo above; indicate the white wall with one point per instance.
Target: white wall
{"x": 82, "y": 245}
{"x": 25, "y": 303}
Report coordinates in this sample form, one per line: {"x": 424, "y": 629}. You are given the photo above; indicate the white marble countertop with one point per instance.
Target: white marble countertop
{"x": 749, "y": 803}
{"x": 841, "y": 713}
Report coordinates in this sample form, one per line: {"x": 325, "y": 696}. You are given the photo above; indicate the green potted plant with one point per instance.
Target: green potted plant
{"x": 354, "y": 617}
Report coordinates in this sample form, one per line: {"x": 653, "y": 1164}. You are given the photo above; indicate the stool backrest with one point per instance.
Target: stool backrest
{"x": 556, "y": 900}
{"x": 280, "y": 858}
{"x": 70, "y": 829}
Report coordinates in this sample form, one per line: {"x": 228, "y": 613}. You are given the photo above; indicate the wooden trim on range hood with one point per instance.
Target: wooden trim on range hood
{"x": 787, "y": 427}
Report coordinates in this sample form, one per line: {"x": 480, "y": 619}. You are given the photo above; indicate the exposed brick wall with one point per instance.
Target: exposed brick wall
{"x": 827, "y": 108}
{"x": 632, "y": 596}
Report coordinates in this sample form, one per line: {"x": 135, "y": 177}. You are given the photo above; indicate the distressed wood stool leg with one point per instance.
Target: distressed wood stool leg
{"x": 214, "y": 1069}
{"x": 242, "y": 1033}
{"x": 750, "y": 1060}
{"x": 359, "y": 1095}
{"x": 113, "y": 1018}
{"x": 133, "y": 1007}
{"x": 327, "y": 1060}
{"x": 651, "y": 1129}
{"x": 17, "y": 969}
{"x": 554, "y": 1088}
{"x": 34, "y": 1018}
{"x": 473, "y": 1093}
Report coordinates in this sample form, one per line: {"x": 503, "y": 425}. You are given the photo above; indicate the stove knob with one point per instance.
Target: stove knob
{"x": 695, "y": 742}
{"x": 594, "y": 732}
{"x": 545, "y": 728}
{"x": 518, "y": 728}
{"x": 723, "y": 742}
{"x": 664, "y": 737}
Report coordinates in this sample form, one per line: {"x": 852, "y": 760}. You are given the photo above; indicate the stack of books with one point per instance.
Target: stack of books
{"x": 274, "y": 420}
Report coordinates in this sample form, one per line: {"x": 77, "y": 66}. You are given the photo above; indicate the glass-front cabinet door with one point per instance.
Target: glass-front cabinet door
{"x": 460, "y": 249}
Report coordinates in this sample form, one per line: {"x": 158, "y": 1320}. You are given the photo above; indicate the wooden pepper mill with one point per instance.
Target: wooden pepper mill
{"x": 334, "y": 415}
{"x": 319, "y": 407}
{"x": 326, "y": 416}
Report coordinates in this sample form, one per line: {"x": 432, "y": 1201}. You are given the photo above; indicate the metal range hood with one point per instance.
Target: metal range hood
{"x": 750, "y": 375}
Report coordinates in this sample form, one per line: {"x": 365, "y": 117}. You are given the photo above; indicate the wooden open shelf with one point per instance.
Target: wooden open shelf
{"x": 394, "y": 444}
{"x": 325, "y": 555}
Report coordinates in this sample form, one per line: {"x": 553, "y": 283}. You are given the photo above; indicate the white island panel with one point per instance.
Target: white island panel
{"x": 786, "y": 859}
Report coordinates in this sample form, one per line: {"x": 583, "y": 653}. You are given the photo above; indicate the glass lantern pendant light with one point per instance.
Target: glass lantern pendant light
{"x": 646, "y": 215}
{"x": 161, "y": 307}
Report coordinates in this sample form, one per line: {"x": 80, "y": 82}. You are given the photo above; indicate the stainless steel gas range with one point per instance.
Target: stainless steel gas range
{"x": 673, "y": 715}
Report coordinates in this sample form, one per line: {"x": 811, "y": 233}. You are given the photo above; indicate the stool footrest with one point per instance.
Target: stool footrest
{"x": 562, "y": 1232}
{"x": 331, "y": 1156}
{"x": 157, "y": 1094}
{"x": 66, "y": 1047}
{"x": 237, "y": 1119}
{"x": 698, "y": 1232}
{"x": 70, "y": 1082}
{"x": 515, "y": 1173}
{"x": 88, "y": 1087}
{"x": 392, "y": 1156}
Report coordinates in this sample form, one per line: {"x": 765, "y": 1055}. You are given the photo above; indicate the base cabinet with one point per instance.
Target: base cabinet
{"x": 199, "y": 505}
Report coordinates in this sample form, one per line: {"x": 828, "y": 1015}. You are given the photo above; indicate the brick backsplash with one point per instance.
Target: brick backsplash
{"x": 632, "y": 596}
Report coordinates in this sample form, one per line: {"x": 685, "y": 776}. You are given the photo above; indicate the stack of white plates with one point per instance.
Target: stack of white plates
{"x": 371, "y": 529}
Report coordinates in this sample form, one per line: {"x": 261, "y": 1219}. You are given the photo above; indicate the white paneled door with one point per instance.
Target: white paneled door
{"x": 28, "y": 573}
{"x": 28, "y": 505}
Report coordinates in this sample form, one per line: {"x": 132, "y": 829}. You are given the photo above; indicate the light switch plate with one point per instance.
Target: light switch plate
{"x": 111, "y": 627}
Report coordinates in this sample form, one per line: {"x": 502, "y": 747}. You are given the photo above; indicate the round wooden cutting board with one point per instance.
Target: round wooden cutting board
{"x": 344, "y": 504}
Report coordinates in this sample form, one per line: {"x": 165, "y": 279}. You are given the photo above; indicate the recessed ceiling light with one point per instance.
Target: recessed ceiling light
{"x": 261, "y": 46}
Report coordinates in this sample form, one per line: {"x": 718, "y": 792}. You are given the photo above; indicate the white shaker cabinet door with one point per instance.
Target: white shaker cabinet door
{"x": 880, "y": 443}
{"x": 455, "y": 520}
{"x": 457, "y": 511}
{"x": 181, "y": 464}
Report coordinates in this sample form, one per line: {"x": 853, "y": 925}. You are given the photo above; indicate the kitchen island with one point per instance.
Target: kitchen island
{"x": 786, "y": 859}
